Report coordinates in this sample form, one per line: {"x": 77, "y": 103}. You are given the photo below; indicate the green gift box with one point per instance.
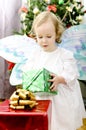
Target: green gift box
{"x": 37, "y": 81}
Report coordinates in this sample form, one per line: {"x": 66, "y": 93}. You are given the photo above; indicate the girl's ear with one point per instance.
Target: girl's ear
{"x": 32, "y": 36}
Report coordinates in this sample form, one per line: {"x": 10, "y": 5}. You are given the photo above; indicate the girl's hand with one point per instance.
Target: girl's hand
{"x": 56, "y": 80}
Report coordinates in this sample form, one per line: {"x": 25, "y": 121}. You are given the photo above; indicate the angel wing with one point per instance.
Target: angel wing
{"x": 16, "y": 74}
{"x": 16, "y": 48}
{"x": 74, "y": 39}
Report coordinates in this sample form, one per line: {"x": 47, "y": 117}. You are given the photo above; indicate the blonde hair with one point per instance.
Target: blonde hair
{"x": 43, "y": 17}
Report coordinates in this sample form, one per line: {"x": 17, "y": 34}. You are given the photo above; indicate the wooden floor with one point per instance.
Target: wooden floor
{"x": 83, "y": 127}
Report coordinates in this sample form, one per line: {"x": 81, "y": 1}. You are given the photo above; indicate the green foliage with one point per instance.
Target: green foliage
{"x": 70, "y": 12}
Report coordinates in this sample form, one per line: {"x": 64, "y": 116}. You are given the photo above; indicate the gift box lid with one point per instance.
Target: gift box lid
{"x": 41, "y": 109}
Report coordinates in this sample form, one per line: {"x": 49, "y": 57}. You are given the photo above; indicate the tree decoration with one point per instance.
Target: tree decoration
{"x": 71, "y": 12}
{"x": 61, "y": 2}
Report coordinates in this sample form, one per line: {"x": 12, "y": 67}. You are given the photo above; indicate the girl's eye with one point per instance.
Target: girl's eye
{"x": 48, "y": 36}
{"x": 40, "y": 37}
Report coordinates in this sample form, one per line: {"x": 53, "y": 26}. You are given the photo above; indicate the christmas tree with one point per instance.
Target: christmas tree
{"x": 70, "y": 11}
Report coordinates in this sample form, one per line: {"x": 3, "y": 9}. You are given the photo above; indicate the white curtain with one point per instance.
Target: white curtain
{"x": 9, "y": 17}
{"x": 9, "y": 22}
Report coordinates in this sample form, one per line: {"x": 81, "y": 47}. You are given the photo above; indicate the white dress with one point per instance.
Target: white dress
{"x": 67, "y": 106}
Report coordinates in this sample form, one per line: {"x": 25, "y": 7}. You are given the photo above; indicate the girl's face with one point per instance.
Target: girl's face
{"x": 46, "y": 36}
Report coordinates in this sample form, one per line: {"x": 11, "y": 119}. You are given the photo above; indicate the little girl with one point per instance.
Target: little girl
{"x": 67, "y": 106}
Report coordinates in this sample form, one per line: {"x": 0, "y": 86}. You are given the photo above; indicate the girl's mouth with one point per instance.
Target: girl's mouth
{"x": 45, "y": 46}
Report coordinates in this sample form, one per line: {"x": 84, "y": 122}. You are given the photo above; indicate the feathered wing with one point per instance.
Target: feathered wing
{"x": 74, "y": 39}
{"x": 16, "y": 48}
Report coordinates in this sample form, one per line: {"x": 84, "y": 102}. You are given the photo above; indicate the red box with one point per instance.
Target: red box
{"x": 39, "y": 118}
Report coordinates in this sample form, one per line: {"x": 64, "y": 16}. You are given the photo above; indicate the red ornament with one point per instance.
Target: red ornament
{"x": 23, "y": 9}
{"x": 52, "y": 8}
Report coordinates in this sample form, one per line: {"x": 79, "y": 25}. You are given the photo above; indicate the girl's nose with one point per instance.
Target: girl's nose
{"x": 44, "y": 39}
